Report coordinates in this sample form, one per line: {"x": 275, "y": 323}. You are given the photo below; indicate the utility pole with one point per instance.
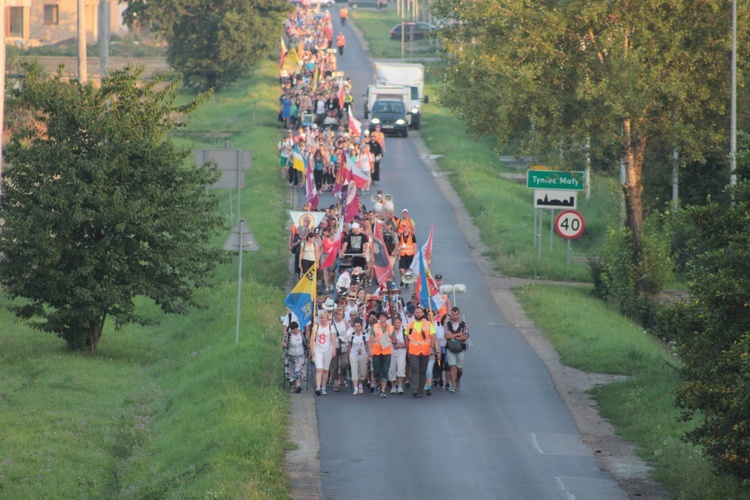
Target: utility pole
{"x": 103, "y": 38}
{"x": 82, "y": 62}
{"x": 2, "y": 96}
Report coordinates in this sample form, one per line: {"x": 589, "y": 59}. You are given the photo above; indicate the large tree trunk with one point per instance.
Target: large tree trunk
{"x": 632, "y": 156}
{"x": 95, "y": 332}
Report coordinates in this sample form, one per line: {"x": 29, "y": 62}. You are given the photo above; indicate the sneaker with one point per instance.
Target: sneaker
{"x": 407, "y": 384}
{"x": 447, "y": 386}
{"x": 355, "y": 392}
{"x": 383, "y": 395}
{"x": 393, "y": 389}
{"x": 452, "y": 389}
{"x": 323, "y": 391}
{"x": 376, "y": 391}
{"x": 298, "y": 389}
{"x": 400, "y": 390}
{"x": 360, "y": 391}
{"x": 317, "y": 391}
{"x": 429, "y": 391}
{"x": 336, "y": 388}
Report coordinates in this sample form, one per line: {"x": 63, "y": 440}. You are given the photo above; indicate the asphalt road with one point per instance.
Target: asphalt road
{"x": 506, "y": 434}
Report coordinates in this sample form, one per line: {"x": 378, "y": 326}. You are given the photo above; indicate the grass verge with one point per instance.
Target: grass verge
{"x": 177, "y": 410}
{"x": 378, "y": 24}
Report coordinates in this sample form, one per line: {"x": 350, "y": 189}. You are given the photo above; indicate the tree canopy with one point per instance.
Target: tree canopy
{"x": 712, "y": 332}
{"x": 212, "y": 43}
{"x": 100, "y": 206}
{"x": 605, "y": 78}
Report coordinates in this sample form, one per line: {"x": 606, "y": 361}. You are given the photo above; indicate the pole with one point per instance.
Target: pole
{"x": 567, "y": 260}
{"x": 2, "y": 96}
{"x": 82, "y": 62}
{"x": 551, "y": 228}
{"x": 103, "y": 38}
{"x": 733, "y": 121}
{"x": 242, "y": 242}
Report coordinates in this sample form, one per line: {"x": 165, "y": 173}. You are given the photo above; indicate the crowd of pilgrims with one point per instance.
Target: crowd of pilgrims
{"x": 359, "y": 340}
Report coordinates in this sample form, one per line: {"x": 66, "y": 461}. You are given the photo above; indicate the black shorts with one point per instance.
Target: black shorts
{"x": 404, "y": 262}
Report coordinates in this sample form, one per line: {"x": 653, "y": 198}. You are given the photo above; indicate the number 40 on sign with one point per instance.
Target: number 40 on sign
{"x": 569, "y": 224}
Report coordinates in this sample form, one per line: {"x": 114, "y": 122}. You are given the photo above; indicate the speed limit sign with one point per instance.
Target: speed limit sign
{"x": 569, "y": 224}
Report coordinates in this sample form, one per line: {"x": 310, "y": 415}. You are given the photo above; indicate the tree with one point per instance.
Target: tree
{"x": 213, "y": 43}
{"x": 712, "y": 332}
{"x": 561, "y": 77}
{"x": 100, "y": 205}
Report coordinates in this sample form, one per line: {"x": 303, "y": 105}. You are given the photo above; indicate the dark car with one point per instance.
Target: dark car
{"x": 413, "y": 31}
{"x": 390, "y": 114}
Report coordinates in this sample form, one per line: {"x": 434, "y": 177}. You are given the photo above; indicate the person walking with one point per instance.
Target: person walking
{"x": 397, "y": 370}
{"x": 340, "y": 43}
{"x": 381, "y": 349}
{"x": 456, "y": 337}
{"x": 419, "y": 341}
{"x": 296, "y": 348}
{"x": 343, "y": 14}
{"x": 324, "y": 337}
{"x": 407, "y": 248}
{"x": 309, "y": 253}
{"x": 358, "y": 356}
{"x": 340, "y": 359}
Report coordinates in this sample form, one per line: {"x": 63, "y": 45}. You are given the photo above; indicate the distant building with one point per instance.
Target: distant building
{"x": 44, "y": 22}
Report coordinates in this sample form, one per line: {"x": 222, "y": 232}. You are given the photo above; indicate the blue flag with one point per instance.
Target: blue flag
{"x": 301, "y": 300}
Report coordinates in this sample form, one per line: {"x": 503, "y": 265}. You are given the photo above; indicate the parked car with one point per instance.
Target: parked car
{"x": 321, "y": 3}
{"x": 390, "y": 114}
{"x": 413, "y": 31}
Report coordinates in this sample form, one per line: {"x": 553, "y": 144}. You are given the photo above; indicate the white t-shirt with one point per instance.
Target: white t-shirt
{"x": 325, "y": 338}
{"x": 341, "y": 328}
{"x": 440, "y": 334}
{"x": 359, "y": 344}
{"x": 296, "y": 348}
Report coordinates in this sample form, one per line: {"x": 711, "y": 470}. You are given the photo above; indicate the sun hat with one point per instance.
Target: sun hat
{"x": 328, "y": 304}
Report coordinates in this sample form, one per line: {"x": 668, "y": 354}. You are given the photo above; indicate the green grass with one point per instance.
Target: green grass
{"x": 591, "y": 337}
{"x": 179, "y": 409}
{"x": 376, "y": 27}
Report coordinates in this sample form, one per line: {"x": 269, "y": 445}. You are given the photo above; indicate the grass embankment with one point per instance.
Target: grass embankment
{"x": 379, "y": 24}
{"x": 177, "y": 410}
{"x": 587, "y": 334}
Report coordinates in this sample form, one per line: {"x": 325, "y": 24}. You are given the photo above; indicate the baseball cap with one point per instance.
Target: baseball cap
{"x": 405, "y": 210}
{"x": 355, "y": 225}
{"x": 410, "y": 308}
{"x": 438, "y": 276}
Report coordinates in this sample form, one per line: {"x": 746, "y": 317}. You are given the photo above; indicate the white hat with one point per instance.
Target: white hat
{"x": 328, "y": 304}
{"x": 405, "y": 210}
{"x": 355, "y": 225}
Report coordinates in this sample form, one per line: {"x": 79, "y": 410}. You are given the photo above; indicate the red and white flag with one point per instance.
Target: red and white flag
{"x": 380, "y": 258}
{"x": 352, "y": 203}
{"x": 335, "y": 248}
{"x": 355, "y": 126}
{"x": 355, "y": 173}
{"x": 310, "y": 189}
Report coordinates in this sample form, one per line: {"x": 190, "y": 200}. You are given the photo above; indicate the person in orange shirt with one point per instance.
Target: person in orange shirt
{"x": 407, "y": 249}
{"x": 381, "y": 349}
{"x": 343, "y": 14}
{"x": 420, "y": 337}
{"x": 341, "y": 43}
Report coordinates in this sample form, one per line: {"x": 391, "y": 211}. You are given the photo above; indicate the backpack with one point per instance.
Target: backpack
{"x": 456, "y": 346}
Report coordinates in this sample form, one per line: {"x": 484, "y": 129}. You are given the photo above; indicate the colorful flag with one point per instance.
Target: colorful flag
{"x": 341, "y": 95}
{"x": 426, "y": 250}
{"x": 352, "y": 203}
{"x": 355, "y": 126}
{"x": 282, "y": 54}
{"x": 429, "y": 295}
{"x": 291, "y": 61}
{"x": 298, "y": 161}
{"x": 380, "y": 258}
{"x": 335, "y": 248}
{"x": 355, "y": 173}
{"x": 311, "y": 191}
{"x": 301, "y": 300}
{"x": 338, "y": 184}
{"x": 316, "y": 76}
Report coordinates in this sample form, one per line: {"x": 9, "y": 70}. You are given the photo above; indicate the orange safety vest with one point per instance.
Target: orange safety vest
{"x": 340, "y": 40}
{"x": 420, "y": 337}
{"x": 343, "y": 12}
{"x": 377, "y": 334}
{"x": 406, "y": 247}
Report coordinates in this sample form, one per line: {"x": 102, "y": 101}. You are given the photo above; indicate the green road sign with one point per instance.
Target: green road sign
{"x": 552, "y": 179}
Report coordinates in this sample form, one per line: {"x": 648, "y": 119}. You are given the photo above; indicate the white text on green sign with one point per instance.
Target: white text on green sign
{"x": 551, "y": 179}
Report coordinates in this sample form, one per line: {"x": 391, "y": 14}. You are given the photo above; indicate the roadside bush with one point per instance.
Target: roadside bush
{"x": 713, "y": 333}
{"x": 616, "y": 273}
